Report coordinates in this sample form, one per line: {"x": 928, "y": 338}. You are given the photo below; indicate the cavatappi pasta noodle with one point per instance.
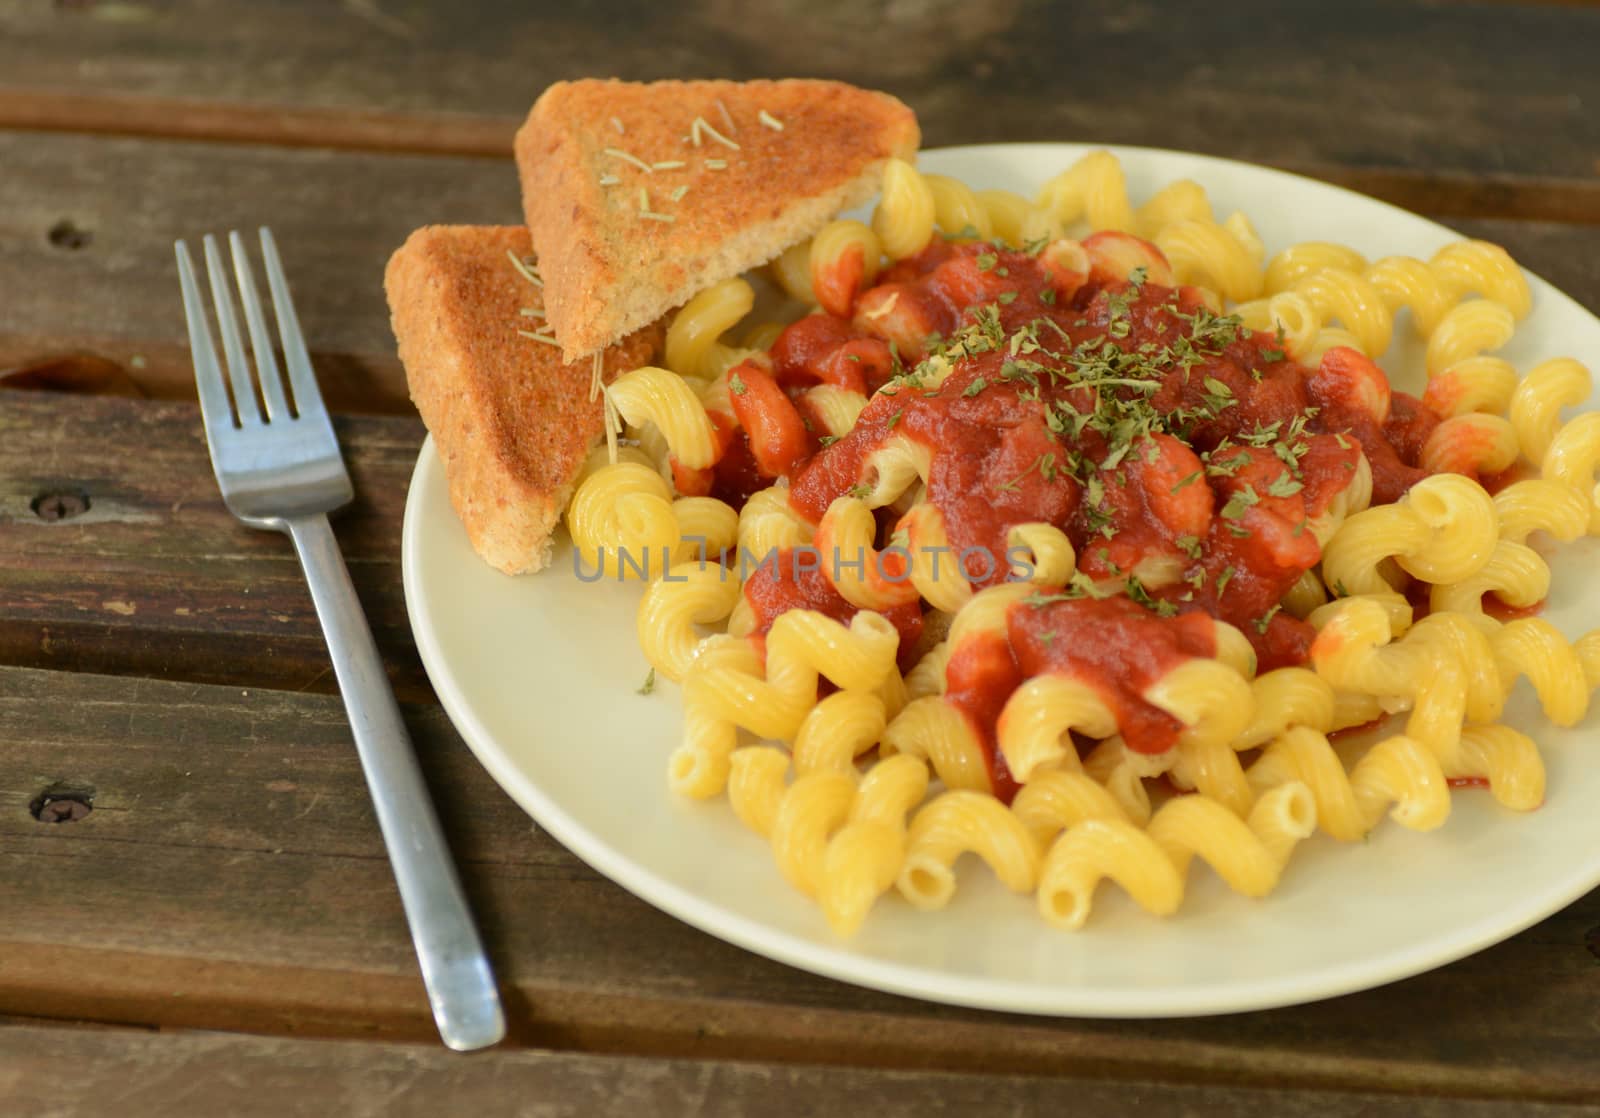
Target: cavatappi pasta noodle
{"x": 1069, "y": 532}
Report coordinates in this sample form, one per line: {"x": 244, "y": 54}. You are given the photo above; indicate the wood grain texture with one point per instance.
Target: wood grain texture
{"x": 51, "y": 1072}
{"x": 157, "y": 578}
{"x": 231, "y": 857}
{"x": 338, "y": 216}
{"x": 1452, "y": 97}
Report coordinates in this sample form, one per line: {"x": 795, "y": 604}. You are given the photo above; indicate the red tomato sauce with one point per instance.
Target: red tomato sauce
{"x": 790, "y": 581}
{"x": 980, "y": 676}
{"x": 1184, "y": 456}
{"x": 1117, "y": 645}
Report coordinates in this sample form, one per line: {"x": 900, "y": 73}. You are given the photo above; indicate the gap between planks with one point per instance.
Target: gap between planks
{"x": 64, "y": 1070}
{"x": 1450, "y": 194}
{"x": 578, "y": 1021}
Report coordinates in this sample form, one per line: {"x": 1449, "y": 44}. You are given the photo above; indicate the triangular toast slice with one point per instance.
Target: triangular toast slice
{"x": 639, "y": 195}
{"x": 511, "y": 422}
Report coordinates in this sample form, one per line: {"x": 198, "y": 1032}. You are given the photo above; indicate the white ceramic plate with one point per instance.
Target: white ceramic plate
{"x": 540, "y": 675}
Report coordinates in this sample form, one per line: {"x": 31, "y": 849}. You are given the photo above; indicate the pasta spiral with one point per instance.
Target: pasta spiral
{"x": 1443, "y": 530}
{"x": 1398, "y": 776}
{"x": 667, "y": 402}
{"x": 693, "y": 346}
{"x": 1150, "y": 864}
{"x": 904, "y": 218}
{"x": 722, "y": 693}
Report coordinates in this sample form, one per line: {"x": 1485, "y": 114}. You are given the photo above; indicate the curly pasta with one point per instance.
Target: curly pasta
{"x": 1478, "y": 384}
{"x": 1094, "y": 189}
{"x": 957, "y": 823}
{"x": 1574, "y": 458}
{"x": 938, "y": 733}
{"x": 1121, "y": 543}
{"x": 721, "y": 696}
{"x": 1538, "y": 505}
{"x": 693, "y": 348}
{"x": 1471, "y": 444}
{"x": 1036, "y": 721}
{"x": 1226, "y": 259}
{"x": 1488, "y": 270}
{"x": 1537, "y": 402}
{"x": 1350, "y": 299}
{"x": 621, "y": 520}
{"x": 844, "y": 260}
{"x": 1443, "y": 530}
{"x": 904, "y": 218}
{"x": 864, "y": 576}
{"x": 1398, "y": 777}
{"x": 1515, "y": 573}
{"x": 1306, "y": 258}
{"x": 687, "y": 596}
{"x": 1469, "y": 329}
{"x": 1150, "y": 864}
{"x": 666, "y": 401}
{"x": 1017, "y": 221}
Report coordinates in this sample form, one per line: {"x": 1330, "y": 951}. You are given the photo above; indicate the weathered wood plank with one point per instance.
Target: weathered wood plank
{"x": 229, "y": 876}
{"x": 337, "y": 216}
{"x": 55, "y": 1071}
{"x": 1274, "y": 84}
{"x": 113, "y": 288}
{"x": 157, "y": 578}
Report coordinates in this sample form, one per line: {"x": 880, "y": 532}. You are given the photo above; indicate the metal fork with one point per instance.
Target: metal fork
{"x": 280, "y": 468}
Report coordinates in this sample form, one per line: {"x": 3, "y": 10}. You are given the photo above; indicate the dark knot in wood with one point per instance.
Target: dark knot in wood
{"x": 60, "y": 506}
{"x": 62, "y": 803}
{"x": 65, "y": 234}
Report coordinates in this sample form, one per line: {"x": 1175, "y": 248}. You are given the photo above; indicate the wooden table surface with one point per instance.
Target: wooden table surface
{"x": 219, "y": 932}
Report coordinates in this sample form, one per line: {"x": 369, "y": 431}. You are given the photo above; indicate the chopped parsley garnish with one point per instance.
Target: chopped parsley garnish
{"x": 648, "y": 685}
{"x": 1227, "y": 466}
{"x": 987, "y": 261}
{"x": 827, "y": 440}
{"x": 1284, "y": 486}
{"x": 1188, "y": 481}
{"x": 1224, "y": 578}
{"x": 1242, "y": 499}
{"x": 893, "y": 419}
{"x": 1218, "y": 396}
{"x": 1261, "y": 623}
{"x": 736, "y": 386}
{"x": 1138, "y": 593}
{"x": 1045, "y": 464}
{"x": 977, "y": 386}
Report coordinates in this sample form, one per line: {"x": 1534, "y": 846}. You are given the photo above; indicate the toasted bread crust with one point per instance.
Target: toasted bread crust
{"x": 511, "y": 423}
{"x": 610, "y": 270}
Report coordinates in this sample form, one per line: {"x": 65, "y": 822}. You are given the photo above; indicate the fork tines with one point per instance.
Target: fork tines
{"x": 238, "y": 399}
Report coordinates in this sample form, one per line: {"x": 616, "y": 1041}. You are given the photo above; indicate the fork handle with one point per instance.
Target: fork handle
{"x": 455, "y": 969}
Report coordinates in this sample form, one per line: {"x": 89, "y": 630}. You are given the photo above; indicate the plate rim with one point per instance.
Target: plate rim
{"x": 836, "y": 961}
